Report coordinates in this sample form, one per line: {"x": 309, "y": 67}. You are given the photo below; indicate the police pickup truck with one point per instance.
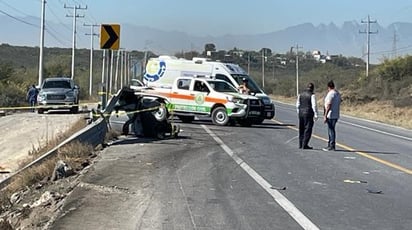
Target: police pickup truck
{"x": 191, "y": 96}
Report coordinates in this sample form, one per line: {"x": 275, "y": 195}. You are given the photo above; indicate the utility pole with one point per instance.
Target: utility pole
{"x": 117, "y": 71}
{"x": 368, "y": 33}
{"x": 43, "y": 14}
{"x": 111, "y": 72}
{"x": 128, "y": 67}
{"x": 297, "y": 66}
{"x": 75, "y": 16}
{"x": 263, "y": 68}
{"x": 395, "y": 40}
{"x": 92, "y": 34}
{"x": 248, "y": 63}
{"x": 121, "y": 68}
{"x": 126, "y": 76}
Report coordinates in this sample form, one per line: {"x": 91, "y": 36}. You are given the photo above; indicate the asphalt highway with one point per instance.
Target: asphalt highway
{"x": 214, "y": 177}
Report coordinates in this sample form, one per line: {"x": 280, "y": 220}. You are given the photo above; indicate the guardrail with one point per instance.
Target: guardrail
{"x": 92, "y": 134}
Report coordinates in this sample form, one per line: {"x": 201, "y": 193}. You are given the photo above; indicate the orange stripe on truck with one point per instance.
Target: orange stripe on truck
{"x": 192, "y": 97}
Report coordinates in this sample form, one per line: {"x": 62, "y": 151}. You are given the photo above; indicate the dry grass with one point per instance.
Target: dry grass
{"x": 74, "y": 154}
{"x": 384, "y": 111}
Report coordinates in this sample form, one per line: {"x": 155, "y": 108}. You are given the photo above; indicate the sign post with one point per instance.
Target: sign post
{"x": 109, "y": 40}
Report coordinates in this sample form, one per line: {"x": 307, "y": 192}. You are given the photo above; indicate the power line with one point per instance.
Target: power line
{"x": 390, "y": 51}
{"x": 55, "y": 15}
{"x": 18, "y": 19}
{"x": 17, "y": 10}
{"x": 64, "y": 43}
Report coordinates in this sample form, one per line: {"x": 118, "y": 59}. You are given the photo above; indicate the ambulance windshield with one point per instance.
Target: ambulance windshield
{"x": 222, "y": 86}
{"x": 251, "y": 83}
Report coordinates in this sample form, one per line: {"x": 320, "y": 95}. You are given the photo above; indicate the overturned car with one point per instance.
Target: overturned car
{"x": 145, "y": 115}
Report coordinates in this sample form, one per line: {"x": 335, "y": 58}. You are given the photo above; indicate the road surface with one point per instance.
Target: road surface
{"x": 215, "y": 177}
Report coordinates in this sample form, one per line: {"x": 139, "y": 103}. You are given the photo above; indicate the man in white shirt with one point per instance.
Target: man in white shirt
{"x": 307, "y": 110}
{"x": 331, "y": 114}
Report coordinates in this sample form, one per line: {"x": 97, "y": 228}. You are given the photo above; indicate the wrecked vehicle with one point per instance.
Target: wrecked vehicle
{"x": 146, "y": 115}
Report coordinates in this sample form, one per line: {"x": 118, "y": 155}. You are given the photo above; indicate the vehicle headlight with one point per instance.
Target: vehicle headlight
{"x": 266, "y": 100}
{"x": 41, "y": 96}
{"x": 236, "y": 100}
{"x": 70, "y": 94}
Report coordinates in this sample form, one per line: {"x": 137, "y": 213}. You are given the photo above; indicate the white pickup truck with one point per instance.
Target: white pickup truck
{"x": 190, "y": 96}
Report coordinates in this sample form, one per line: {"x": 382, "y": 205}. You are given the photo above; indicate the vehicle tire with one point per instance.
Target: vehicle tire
{"x": 161, "y": 113}
{"x": 219, "y": 116}
{"x": 186, "y": 119}
{"x": 40, "y": 111}
{"x": 258, "y": 121}
{"x": 74, "y": 109}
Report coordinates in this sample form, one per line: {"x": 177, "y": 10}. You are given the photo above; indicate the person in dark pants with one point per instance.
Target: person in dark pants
{"x": 32, "y": 96}
{"x": 308, "y": 112}
{"x": 331, "y": 114}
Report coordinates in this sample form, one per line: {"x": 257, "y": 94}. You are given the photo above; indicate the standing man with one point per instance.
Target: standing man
{"x": 331, "y": 114}
{"x": 32, "y": 96}
{"x": 308, "y": 112}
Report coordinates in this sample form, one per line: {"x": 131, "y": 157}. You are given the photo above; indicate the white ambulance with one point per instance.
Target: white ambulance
{"x": 163, "y": 70}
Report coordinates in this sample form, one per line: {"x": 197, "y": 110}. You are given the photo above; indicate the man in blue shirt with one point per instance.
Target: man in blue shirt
{"x": 331, "y": 114}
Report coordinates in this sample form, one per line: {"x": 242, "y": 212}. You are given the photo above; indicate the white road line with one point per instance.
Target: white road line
{"x": 288, "y": 206}
{"x": 377, "y": 131}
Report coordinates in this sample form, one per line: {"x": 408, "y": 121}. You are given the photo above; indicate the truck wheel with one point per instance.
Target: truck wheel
{"x": 219, "y": 116}
{"x": 74, "y": 109}
{"x": 186, "y": 119}
{"x": 258, "y": 121}
{"x": 40, "y": 111}
{"x": 161, "y": 113}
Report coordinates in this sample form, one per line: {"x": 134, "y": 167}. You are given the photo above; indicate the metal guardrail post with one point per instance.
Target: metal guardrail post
{"x": 103, "y": 96}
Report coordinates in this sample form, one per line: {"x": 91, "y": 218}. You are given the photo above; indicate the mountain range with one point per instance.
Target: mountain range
{"x": 349, "y": 39}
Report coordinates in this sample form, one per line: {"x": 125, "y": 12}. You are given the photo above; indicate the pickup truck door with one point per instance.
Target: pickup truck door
{"x": 189, "y": 97}
{"x": 200, "y": 91}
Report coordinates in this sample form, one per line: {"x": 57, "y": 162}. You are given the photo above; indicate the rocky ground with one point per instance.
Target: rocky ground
{"x": 36, "y": 207}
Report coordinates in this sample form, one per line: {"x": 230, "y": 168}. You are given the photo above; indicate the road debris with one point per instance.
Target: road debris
{"x": 355, "y": 181}
{"x": 278, "y": 188}
{"x": 374, "y": 191}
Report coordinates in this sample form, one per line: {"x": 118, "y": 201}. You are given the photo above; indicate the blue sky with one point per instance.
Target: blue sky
{"x": 218, "y": 17}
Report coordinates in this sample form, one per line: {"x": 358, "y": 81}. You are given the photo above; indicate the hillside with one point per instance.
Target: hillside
{"x": 329, "y": 38}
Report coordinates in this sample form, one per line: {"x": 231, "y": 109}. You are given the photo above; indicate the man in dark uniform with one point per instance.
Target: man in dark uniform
{"x": 308, "y": 112}
{"x": 32, "y": 96}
